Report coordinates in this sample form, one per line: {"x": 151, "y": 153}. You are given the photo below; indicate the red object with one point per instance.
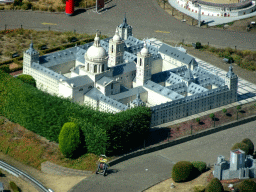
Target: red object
{"x": 100, "y": 4}
{"x": 70, "y": 7}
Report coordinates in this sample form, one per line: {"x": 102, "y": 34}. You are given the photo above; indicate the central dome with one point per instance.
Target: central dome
{"x": 144, "y": 51}
{"x": 96, "y": 51}
{"x": 116, "y": 37}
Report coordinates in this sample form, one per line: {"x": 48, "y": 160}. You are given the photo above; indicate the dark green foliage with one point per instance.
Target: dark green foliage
{"x": 64, "y": 1}
{"x": 247, "y": 186}
{"x": 27, "y": 79}
{"x": 26, "y": 6}
{"x": 200, "y": 166}
{"x": 244, "y": 147}
{"x": 5, "y": 68}
{"x": 45, "y": 115}
{"x": 224, "y": 110}
{"x": 238, "y": 107}
{"x": 13, "y": 186}
{"x": 198, "y": 120}
{"x": 230, "y": 59}
{"x": 198, "y": 45}
{"x": 182, "y": 171}
{"x": 214, "y": 186}
{"x": 69, "y": 139}
{"x": 6, "y": 62}
{"x": 250, "y": 144}
{"x": 17, "y": 2}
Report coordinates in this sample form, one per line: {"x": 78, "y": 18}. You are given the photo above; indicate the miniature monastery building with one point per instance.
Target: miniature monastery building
{"x": 122, "y": 72}
{"x": 241, "y": 166}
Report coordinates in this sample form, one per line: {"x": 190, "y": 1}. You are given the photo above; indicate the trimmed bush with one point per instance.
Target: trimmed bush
{"x": 247, "y": 186}
{"x": 17, "y": 2}
{"x": 14, "y": 187}
{"x": 248, "y": 142}
{"x": 69, "y": 139}
{"x": 200, "y": 166}
{"x": 214, "y": 186}
{"x": 198, "y": 45}
{"x": 26, "y": 6}
{"x": 211, "y": 115}
{"x": 224, "y": 110}
{"x": 182, "y": 171}
{"x": 241, "y": 146}
{"x": 27, "y": 79}
{"x": 198, "y": 120}
{"x": 5, "y": 68}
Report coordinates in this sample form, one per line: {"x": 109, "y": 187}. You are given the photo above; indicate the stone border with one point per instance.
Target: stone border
{"x": 181, "y": 140}
{"x": 51, "y": 168}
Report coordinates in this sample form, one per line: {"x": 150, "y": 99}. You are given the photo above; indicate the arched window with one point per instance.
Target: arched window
{"x": 87, "y": 66}
{"x": 95, "y": 68}
{"x": 140, "y": 61}
{"x": 102, "y": 69}
{"x": 112, "y": 48}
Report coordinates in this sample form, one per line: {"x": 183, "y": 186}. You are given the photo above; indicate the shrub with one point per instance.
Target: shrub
{"x": 238, "y": 107}
{"x": 200, "y": 166}
{"x": 250, "y": 144}
{"x": 5, "y": 68}
{"x": 1, "y": 7}
{"x": 237, "y": 58}
{"x": 61, "y": 8}
{"x": 14, "y": 187}
{"x": 69, "y": 139}
{"x": 43, "y": 8}
{"x": 182, "y": 171}
{"x": 211, "y": 115}
{"x": 199, "y": 188}
{"x": 26, "y": 6}
{"x": 224, "y": 110}
{"x": 17, "y": 2}
{"x": 198, "y": 45}
{"x": 198, "y": 120}
{"x": 64, "y": 1}
{"x": 51, "y": 9}
{"x": 1, "y": 121}
{"x": 27, "y": 79}
{"x": 247, "y": 186}
{"x": 230, "y": 59}
{"x": 214, "y": 186}
{"x": 244, "y": 147}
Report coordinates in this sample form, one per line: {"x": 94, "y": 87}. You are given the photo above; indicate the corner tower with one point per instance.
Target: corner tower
{"x": 124, "y": 29}
{"x": 116, "y": 50}
{"x": 30, "y": 56}
{"x": 143, "y": 66}
{"x": 231, "y": 81}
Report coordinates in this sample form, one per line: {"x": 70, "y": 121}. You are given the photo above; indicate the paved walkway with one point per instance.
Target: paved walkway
{"x": 212, "y": 20}
{"x": 139, "y": 173}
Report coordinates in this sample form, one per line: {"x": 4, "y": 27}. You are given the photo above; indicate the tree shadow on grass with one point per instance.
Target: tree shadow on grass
{"x": 228, "y": 114}
{"x": 242, "y": 111}
{"x": 201, "y": 123}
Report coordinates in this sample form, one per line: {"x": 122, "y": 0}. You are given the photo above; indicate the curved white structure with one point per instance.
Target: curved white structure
{"x": 6, "y": 1}
{"x": 219, "y": 10}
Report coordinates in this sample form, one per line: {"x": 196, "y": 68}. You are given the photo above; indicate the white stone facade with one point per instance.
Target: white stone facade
{"x": 149, "y": 73}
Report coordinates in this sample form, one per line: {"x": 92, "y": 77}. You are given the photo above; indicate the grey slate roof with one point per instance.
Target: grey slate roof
{"x": 160, "y": 77}
{"x": 58, "y": 57}
{"x": 129, "y": 93}
{"x": 79, "y": 80}
{"x": 131, "y": 41}
{"x": 179, "y": 70}
{"x": 77, "y": 69}
{"x": 80, "y": 54}
{"x": 135, "y": 48}
{"x": 47, "y": 72}
{"x": 194, "y": 88}
{"x": 123, "y": 68}
{"x": 112, "y": 102}
{"x": 173, "y": 78}
{"x": 162, "y": 90}
{"x": 180, "y": 88}
{"x": 129, "y": 56}
{"x": 188, "y": 75}
{"x": 31, "y": 50}
{"x": 105, "y": 79}
{"x": 94, "y": 93}
{"x": 178, "y": 55}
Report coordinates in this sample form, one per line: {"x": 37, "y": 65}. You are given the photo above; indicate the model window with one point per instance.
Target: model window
{"x": 111, "y": 85}
{"x": 112, "y": 48}
{"x": 87, "y": 66}
{"x": 95, "y": 68}
{"x": 140, "y": 61}
{"x": 102, "y": 69}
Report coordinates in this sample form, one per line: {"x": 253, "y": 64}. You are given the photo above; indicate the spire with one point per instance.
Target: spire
{"x": 124, "y": 24}
{"x": 230, "y": 73}
{"x": 124, "y": 21}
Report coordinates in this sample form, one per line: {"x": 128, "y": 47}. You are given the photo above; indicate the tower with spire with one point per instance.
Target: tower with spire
{"x": 30, "y": 56}
{"x": 116, "y": 50}
{"x": 231, "y": 81}
{"x": 143, "y": 66}
{"x": 125, "y": 30}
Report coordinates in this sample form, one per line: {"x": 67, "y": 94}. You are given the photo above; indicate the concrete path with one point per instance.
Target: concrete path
{"x": 145, "y": 16}
{"x": 212, "y": 20}
{"x": 144, "y": 171}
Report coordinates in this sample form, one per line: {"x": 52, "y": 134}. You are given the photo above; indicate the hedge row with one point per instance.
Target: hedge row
{"x": 45, "y": 115}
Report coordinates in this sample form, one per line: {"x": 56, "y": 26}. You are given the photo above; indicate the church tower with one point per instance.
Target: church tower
{"x": 30, "y": 56}
{"x": 231, "y": 81}
{"x": 116, "y": 50}
{"x": 125, "y": 30}
{"x": 143, "y": 66}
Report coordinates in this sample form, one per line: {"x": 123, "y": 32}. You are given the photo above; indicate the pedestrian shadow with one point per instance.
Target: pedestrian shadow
{"x": 106, "y": 9}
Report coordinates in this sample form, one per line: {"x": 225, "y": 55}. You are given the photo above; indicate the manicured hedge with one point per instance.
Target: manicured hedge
{"x": 45, "y": 115}
{"x": 27, "y": 79}
{"x": 182, "y": 171}
{"x": 250, "y": 145}
{"x": 214, "y": 186}
{"x": 247, "y": 186}
{"x": 244, "y": 147}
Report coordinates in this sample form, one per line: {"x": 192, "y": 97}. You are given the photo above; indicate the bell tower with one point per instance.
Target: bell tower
{"x": 125, "y": 30}
{"x": 116, "y": 50}
{"x": 143, "y": 66}
{"x": 29, "y": 56}
{"x": 231, "y": 80}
